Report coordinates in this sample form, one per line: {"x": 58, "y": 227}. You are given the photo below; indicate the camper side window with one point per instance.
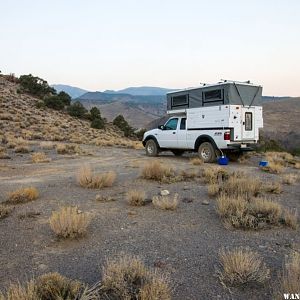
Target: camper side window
{"x": 180, "y": 100}
{"x": 214, "y": 97}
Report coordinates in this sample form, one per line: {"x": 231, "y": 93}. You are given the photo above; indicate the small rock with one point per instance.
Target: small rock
{"x": 42, "y": 267}
{"x": 187, "y": 200}
{"x": 205, "y": 202}
{"x": 185, "y": 188}
{"x": 164, "y": 193}
{"x": 79, "y": 211}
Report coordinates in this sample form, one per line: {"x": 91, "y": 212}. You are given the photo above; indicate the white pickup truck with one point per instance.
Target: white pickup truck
{"x": 210, "y": 130}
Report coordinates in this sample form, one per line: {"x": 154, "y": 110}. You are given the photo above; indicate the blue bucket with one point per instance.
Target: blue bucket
{"x": 263, "y": 163}
{"x": 223, "y": 161}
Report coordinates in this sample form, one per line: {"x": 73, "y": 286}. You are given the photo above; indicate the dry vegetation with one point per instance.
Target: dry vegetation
{"x": 47, "y": 145}
{"x": 40, "y": 157}
{"x": 165, "y": 202}
{"x": 289, "y": 280}
{"x": 197, "y": 161}
{"x": 69, "y": 222}
{"x": 241, "y": 266}
{"x": 136, "y": 197}
{"x": 289, "y": 179}
{"x": 46, "y": 287}
{"x": 278, "y": 161}
{"x": 5, "y": 211}
{"x": 88, "y": 179}
{"x": 23, "y": 195}
{"x": 154, "y": 170}
{"x": 126, "y": 277}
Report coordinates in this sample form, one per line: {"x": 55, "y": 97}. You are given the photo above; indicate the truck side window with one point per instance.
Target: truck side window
{"x": 171, "y": 124}
{"x": 182, "y": 124}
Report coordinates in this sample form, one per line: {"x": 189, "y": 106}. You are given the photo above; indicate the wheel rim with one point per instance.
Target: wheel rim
{"x": 150, "y": 149}
{"x": 205, "y": 153}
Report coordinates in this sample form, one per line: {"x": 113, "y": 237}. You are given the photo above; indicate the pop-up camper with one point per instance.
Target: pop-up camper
{"x": 211, "y": 119}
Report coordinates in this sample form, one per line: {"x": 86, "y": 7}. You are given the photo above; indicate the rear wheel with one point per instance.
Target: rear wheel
{"x": 177, "y": 152}
{"x": 206, "y": 152}
{"x": 151, "y": 148}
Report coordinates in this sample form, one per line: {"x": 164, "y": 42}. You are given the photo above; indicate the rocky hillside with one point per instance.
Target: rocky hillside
{"x": 19, "y": 117}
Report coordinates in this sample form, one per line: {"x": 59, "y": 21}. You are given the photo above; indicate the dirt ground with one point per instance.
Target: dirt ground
{"x": 183, "y": 243}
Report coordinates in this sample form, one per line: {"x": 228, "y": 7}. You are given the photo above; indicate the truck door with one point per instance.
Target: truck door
{"x": 248, "y": 123}
{"x": 167, "y": 137}
{"x": 181, "y": 134}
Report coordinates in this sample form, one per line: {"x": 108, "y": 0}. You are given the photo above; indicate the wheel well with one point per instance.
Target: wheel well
{"x": 204, "y": 138}
{"x": 150, "y": 137}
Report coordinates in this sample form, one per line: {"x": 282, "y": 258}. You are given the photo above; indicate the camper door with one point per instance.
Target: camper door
{"x": 248, "y": 123}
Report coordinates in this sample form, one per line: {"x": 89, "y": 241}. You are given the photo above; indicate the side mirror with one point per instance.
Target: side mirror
{"x": 161, "y": 127}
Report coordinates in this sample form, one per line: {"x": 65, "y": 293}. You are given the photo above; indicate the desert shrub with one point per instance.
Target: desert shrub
{"x": 67, "y": 149}
{"x": 47, "y": 145}
{"x": 122, "y": 124}
{"x": 213, "y": 189}
{"x": 22, "y": 149}
{"x": 54, "y": 102}
{"x": 98, "y": 123}
{"x": 154, "y": 170}
{"x": 35, "y": 85}
{"x": 241, "y": 266}
{"x": 4, "y": 211}
{"x": 77, "y": 110}
{"x": 239, "y": 212}
{"x": 88, "y": 179}
{"x": 165, "y": 202}
{"x": 39, "y": 157}
{"x": 289, "y": 179}
{"x": 126, "y": 277}
{"x": 214, "y": 174}
{"x": 136, "y": 197}
{"x": 289, "y": 279}
{"x": 23, "y": 195}
{"x": 273, "y": 167}
{"x": 273, "y": 187}
{"x": 196, "y": 161}
{"x": 50, "y": 286}
{"x": 69, "y": 222}
{"x": 290, "y": 218}
{"x": 56, "y": 286}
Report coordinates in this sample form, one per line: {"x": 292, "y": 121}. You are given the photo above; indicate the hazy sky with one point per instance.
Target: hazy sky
{"x": 114, "y": 44}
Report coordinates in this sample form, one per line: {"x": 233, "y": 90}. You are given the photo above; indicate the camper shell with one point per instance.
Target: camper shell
{"x": 227, "y": 92}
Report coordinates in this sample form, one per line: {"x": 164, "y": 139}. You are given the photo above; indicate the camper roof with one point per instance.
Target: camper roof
{"x": 224, "y": 82}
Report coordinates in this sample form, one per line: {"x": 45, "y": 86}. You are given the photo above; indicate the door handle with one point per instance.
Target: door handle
{"x": 174, "y": 132}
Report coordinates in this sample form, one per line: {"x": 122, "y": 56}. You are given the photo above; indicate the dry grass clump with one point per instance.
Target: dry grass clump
{"x": 297, "y": 165}
{"x": 290, "y": 277}
{"x": 68, "y": 149}
{"x": 22, "y": 149}
{"x": 282, "y": 158}
{"x": 214, "y": 174}
{"x": 23, "y": 195}
{"x": 86, "y": 178}
{"x": 239, "y": 212}
{"x": 47, "y": 145}
{"x": 165, "y": 202}
{"x": 45, "y": 287}
{"x": 290, "y": 218}
{"x": 155, "y": 170}
{"x": 196, "y": 161}
{"x": 241, "y": 266}
{"x": 5, "y": 211}
{"x": 273, "y": 167}
{"x": 40, "y": 157}
{"x": 136, "y": 197}
{"x": 56, "y": 286}
{"x": 273, "y": 187}
{"x": 69, "y": 222}
{"x": 289, "y": 179}
{"x": 213, "y": 189}
{"x": 126, "y": 277}
{"x": 3, "y": 153}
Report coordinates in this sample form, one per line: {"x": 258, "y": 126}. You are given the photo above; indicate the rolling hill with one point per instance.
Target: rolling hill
{"x": 73, "y": 91}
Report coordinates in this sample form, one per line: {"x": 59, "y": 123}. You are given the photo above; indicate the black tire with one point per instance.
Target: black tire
{"x": 207, "y": 152}
{"x": 151, "y": 148}
{"x": 177, "y": 152}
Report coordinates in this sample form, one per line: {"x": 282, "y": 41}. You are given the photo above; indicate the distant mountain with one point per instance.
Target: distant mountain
{"x": 142, "y": 91}
{"x": 73, "y": 91}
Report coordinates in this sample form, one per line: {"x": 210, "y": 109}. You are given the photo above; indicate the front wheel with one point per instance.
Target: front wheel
{"x": 206, "y": 152}
{"x": 151, "y": 148}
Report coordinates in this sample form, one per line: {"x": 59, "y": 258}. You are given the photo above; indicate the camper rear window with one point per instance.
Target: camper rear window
{"x": 180, "y": 100}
